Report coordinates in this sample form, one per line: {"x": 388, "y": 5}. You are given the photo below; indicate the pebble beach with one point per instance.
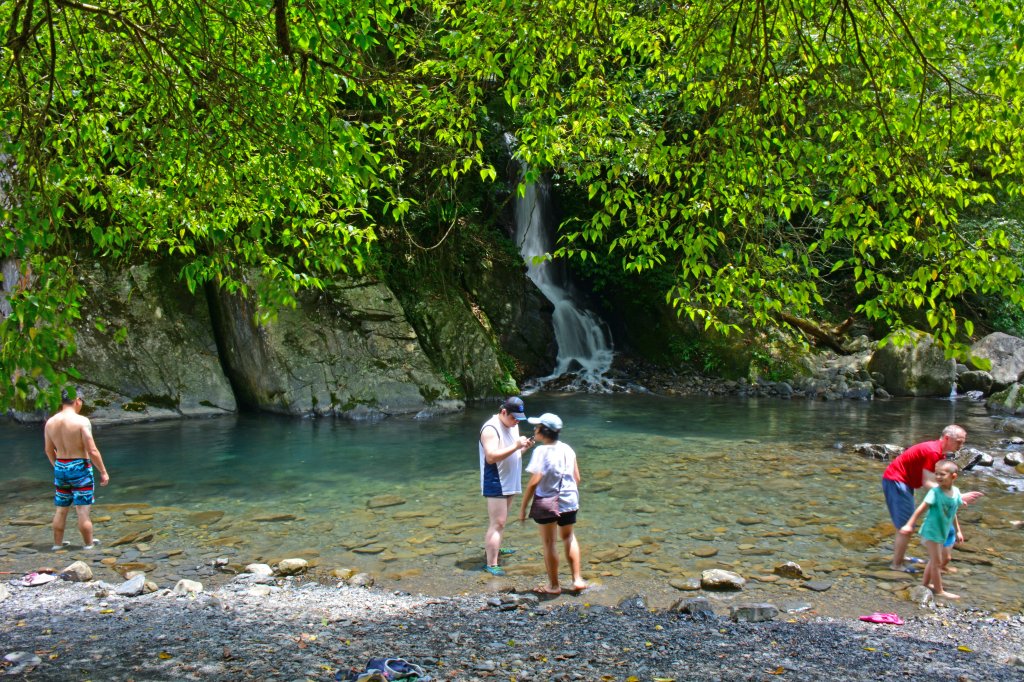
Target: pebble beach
{"x": 297, "y": 628}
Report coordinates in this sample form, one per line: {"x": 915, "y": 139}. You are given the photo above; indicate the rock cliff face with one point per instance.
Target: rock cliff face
{"x": 146, "y": 348}
{"x": 149, "y": 349}
{"x": 347, "y": 351}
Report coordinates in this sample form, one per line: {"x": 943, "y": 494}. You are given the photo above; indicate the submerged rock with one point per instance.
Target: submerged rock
{"x": 718, "y": 579}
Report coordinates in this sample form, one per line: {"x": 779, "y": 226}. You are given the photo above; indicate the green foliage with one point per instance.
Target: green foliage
{"x": 753, "y": 154}
{"x": 757, "y": 150}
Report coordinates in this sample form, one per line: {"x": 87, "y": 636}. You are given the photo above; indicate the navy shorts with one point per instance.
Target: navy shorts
{"x": 563, "y": 519}
{"x": 73, "y": 482}
{"x": 899, "y": 498}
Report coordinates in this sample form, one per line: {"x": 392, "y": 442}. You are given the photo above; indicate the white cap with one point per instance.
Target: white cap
{"x": 549, "y": 420}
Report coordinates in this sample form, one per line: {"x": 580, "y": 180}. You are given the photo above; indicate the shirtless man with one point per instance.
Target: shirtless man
{"x": 73, "y": 455}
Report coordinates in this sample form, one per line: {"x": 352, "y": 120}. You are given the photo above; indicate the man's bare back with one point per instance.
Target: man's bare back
{"x": 73, "y": 454}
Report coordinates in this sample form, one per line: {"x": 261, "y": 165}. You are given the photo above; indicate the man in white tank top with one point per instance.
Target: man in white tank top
{"x": 501, "y": 449}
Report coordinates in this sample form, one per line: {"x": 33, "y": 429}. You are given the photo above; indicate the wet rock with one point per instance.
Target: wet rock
{"x": 4, "y": 592}
{"x": 78, "y": 572}
{"x": 634, "y": 604}
{"x": 186, "y": 587}
{"x": 292, "y": 566}
{"x": 381, "y": 501}
{"x": 921, "y": 595}
{"x": 704, "y": 551}
{"x": 881, "y": 451}
{"x": 259, "y": 569}
{"x": 796, "y": 607}
{"x": 1013, "y": 459}
{"x": 274, "y": 518}
{"x": 685, "y": 584}
{"x": 718, "y": 579}
{"x": 361, "y": 580}
{"x": 753, "y": 613}
{"x": 205, "y": 518}
{"x": 818, "y": 585}
{"x": 692, "y": 606}
{"x": 790, "y": 569}
{"x": 133, "y": 587}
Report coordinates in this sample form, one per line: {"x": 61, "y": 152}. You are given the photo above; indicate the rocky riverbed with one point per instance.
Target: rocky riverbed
{"x": 294, "y": 628}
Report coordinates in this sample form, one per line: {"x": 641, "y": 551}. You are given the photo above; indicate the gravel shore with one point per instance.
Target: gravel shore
{"x": 303, "y": 630}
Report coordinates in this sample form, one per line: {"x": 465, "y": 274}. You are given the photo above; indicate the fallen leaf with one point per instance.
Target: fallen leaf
{"x": 777, "y": 671}
{"x": 163, "y": 655}
{"x": 964, "y": 648}
{"x": 105, "y": 611}
{"x": 870, "y": 648}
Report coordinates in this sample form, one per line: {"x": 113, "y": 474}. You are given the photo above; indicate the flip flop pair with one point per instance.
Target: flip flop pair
{"x": 885, "y": 618}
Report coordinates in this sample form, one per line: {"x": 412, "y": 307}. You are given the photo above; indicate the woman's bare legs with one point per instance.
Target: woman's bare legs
{"x": 548, "y": 539}
{"x": 572, "y": 555}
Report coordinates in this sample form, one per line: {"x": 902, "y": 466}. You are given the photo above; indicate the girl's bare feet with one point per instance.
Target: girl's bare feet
{"x": 579, "y": 585}
{"x": 947, "y": 595}
{"x": 547, "y": 589}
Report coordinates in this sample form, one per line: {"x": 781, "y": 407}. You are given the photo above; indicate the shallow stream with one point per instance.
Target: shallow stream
{"x": 671, "y": 486}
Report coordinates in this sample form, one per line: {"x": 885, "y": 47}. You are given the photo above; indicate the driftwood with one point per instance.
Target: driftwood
{"x": 821, "y": 336}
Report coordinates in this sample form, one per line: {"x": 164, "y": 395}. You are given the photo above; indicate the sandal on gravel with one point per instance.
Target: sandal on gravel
{"x": 397, "y": 669}
{"x": 914, "y": 560}
{"x": 60, "y": 546}
{"x": 908, "y": 569}
{"x": 505, "y": 552}
{"x": 494, "y": 570}
{"x": 887, "y": 618}
{"x": 34, "y": 579}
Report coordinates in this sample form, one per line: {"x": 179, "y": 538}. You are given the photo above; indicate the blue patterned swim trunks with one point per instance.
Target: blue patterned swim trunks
{"x": 73, "y": 481}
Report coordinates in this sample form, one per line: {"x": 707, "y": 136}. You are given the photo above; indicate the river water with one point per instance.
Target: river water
{"x": 671, "y": 486}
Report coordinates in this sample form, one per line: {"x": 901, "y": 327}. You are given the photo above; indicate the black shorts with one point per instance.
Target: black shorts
{"x": 566, "y": 519}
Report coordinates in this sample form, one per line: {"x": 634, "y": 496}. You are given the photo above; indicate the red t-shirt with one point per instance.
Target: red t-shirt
{"x": 909, "y": 467}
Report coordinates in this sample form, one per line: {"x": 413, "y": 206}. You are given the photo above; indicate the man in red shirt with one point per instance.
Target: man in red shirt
{"x": 914, "y": 469}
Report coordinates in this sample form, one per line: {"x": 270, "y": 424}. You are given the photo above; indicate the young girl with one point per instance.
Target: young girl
{"x": 941, "y": 504}
{"x": 555, "y": 472}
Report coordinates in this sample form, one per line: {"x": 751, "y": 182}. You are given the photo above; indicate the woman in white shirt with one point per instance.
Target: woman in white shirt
{"x": 555, "y": 472}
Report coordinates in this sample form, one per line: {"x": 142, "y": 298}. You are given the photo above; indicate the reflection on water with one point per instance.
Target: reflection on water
{"x": 671, "y": 487}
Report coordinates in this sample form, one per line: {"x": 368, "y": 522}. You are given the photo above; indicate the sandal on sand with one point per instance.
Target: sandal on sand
{"x": 887, "y": 618}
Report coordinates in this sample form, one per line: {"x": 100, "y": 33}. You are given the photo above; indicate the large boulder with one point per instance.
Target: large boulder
{"x": 1008, "y": 401}
{"x": 145, "y": 348}
{"x": 1006, "y": 353}
{"x": 346, "y": 351}
{"x": 911, "y": 364}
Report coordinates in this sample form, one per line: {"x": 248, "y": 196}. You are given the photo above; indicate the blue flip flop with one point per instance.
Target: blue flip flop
{"x": 914, "y": 560}
{"x": 908, "y": 569}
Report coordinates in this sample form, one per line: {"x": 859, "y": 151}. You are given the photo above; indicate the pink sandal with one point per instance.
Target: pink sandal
{"x": 887, "y": 618}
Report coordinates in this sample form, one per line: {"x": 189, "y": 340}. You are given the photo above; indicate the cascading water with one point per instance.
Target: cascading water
{"x": 584, "y": 342}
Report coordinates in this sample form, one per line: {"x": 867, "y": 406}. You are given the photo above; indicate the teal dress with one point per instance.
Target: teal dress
{"x": 941, "y": 511}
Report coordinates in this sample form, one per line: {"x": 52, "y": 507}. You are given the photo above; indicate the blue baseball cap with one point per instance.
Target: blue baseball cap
{"x": 514, "y": 406}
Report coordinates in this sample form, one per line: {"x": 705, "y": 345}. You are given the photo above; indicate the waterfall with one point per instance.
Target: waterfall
{"x": 584, "y": 342}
